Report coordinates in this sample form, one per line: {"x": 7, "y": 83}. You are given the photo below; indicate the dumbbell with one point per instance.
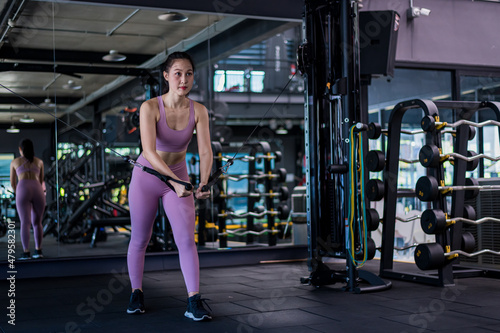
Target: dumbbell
{"x": 435, "y": 221}
{"x": 428, "y": 189}
{"x": 375, "y": 160}
{"x": 430, "y": 156}
{"x": 429, "y": 123}
{"x": 432, "y": 256}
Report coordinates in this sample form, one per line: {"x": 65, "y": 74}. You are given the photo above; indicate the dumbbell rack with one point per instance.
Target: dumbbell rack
{"x": 451, "y": 239}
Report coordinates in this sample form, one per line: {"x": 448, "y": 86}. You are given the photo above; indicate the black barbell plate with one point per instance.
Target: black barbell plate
{"x": 472, "y": 193}
{"x": 472, "y": 133}
{"x": 212, "y": 234}
{"x": 375, "y": 160}
{"x": 433, "y": 221}
{"x": 371, "y": 248}
{"x": 281, "y": 172}
{"x": 278, "y": 155}
{"x": 468, "y": 242}
{"x": 372, "y": 219}
{"x": 259, "y": 209}
{"x": 428, "y": 123}
{"x": 284, "y": 193}
{"x": 283, "y": 212}
{"x": 216, "y": 147}
{"x": 429, "y": 156}
{"x": 427, "y": 188}
{"x": 472, "y": 165}
{"x": 212, "y": 213}
{"x": 374, "y": 190}
{"x": 429, "y": 256}
{"x": 469, "y": 212}
{"x": 374, "y": 131}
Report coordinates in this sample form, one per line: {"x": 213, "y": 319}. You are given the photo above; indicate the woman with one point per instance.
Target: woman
{"x": 167, "y": 123}
{"x": 26, "y": 179}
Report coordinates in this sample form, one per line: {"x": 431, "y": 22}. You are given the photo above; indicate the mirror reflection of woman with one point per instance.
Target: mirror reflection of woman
{"x": 26, "y": 179}
{"x": 166, "y": 124}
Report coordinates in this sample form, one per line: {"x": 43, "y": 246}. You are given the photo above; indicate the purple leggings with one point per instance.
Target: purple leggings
{"x": 144, "y": 192}
{"x": 30, "y": 204}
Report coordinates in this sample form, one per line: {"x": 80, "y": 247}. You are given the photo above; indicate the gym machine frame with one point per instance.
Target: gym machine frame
{"x": 329, "y": 60}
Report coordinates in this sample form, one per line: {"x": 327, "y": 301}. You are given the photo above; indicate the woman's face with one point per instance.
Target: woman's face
{"x": 180, "y": 77}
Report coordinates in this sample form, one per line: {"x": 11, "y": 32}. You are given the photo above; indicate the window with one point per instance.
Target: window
{"x": 483, "y": 88}
{"x": 239, "y": 81}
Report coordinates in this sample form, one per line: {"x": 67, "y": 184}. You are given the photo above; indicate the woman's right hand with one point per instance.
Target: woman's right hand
{"x": 181, "y": 190}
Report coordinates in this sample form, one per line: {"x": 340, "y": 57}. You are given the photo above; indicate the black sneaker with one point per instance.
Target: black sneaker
{"x": 38, "y": 254}
{"x": 25, "y": 256}
{"x": 196, "y": 310}
{"x": 136, "y": 304}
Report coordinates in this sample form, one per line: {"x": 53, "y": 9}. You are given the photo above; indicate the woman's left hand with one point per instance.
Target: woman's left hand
{"x": 200, "y": 194}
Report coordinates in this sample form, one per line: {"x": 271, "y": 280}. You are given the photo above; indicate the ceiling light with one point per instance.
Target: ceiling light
{"x": 48, "y": 103}
{"x": 71, "y": 85}
{"x": 26, "y": 119}
{"x": 113, "y": 55}
{"x": 173, "y": 17}
{"x": 13, "y": 129}
{"x": 281, "y": 130}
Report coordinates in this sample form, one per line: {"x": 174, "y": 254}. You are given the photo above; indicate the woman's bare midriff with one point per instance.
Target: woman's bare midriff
{"x": 172, "y": 158}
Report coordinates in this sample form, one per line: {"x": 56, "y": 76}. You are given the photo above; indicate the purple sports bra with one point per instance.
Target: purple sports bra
{"x": 170, "y": 140}
{"x": 27, "y": 167}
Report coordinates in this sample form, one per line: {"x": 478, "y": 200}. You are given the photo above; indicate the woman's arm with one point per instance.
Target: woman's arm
{"x": 13, "y": 177}
{"x": 148, "y": 118}
{"x": 41, "y": 177}
{"x": 204, "y": 149}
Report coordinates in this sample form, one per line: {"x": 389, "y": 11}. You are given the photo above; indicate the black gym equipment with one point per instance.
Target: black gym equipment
{"x": 428, "y": 189}
{"x": 445, "y": 225}
{"x": 430, "y": 156}
{"x": 329, "y": 59}
{"x": 218, "y": 211}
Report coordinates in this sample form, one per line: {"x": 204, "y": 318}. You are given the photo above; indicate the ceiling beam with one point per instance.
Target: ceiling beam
{"x": 209, "y": 32}
{"x": 72, "y": 69}
{"x": 239, "y": 37}
{"x": 37, "y": 100}
{"x": 7, "y": 52}
{"x": 268, "y": 9}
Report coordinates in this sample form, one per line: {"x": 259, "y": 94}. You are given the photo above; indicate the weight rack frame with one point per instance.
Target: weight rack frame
{"x": 446, "y": 274}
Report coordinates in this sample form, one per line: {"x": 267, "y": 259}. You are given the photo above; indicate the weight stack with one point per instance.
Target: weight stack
{"x": 336, "y": 212}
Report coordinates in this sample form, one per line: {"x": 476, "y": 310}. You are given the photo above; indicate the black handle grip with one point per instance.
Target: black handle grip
{"x": 165, "y": 179}
{"x": 212, "y": 180}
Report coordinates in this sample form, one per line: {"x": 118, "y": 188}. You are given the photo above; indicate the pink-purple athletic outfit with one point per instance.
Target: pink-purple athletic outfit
{"x": 30, "y": 204}
{"x": 144, "y": 192}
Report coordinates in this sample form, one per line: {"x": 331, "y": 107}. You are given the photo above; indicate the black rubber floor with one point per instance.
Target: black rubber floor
{"x": 257, "y": 298}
